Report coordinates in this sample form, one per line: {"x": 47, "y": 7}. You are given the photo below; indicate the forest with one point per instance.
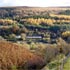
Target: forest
{"x": 34, "y": 38}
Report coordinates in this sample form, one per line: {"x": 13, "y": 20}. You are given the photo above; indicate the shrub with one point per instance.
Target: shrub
{"x": 14, "y": 55}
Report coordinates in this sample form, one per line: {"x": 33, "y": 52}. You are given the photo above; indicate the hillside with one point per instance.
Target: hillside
{"x": 15, "y": 12}
{"x": 31, "y": 37}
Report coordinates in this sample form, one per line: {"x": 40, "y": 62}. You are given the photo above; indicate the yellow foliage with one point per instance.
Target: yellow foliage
{"x": 66, "y": 34}
{"x": 40, "y": 21}
{"x": 6, "y": 21}
{"x": 60, "y": 16}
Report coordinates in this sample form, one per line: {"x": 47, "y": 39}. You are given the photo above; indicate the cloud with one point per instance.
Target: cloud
{"x": 43, "y": 3}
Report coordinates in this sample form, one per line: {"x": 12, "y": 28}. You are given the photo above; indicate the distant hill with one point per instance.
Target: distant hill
{"x": 23, "y": 11}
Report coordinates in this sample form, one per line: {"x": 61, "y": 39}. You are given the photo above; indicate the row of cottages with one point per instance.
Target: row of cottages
{"x": 30, "y": 37}
{"x": 34, "y": 37}
{"x": 18, "y": 37}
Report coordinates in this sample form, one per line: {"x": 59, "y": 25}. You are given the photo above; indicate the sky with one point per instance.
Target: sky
{"x": 34, "y": 3}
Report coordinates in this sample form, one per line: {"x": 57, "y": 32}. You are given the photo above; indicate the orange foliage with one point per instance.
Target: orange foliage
{"x": 14, "y": 55}
{"x": 15, "y": 28}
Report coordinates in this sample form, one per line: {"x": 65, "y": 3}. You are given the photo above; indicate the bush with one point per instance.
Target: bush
{"x": 14, "y": 55}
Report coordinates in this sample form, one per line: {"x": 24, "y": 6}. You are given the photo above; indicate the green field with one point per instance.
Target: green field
{"x": 67, "y": 65}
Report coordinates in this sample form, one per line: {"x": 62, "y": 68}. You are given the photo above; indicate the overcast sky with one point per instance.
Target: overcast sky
{"x": 40, "y": 3}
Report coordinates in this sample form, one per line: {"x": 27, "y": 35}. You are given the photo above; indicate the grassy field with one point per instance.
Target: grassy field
{"x": 67, "y": 65}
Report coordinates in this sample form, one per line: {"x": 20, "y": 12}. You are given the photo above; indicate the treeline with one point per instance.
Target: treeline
{"x": 44, "y": 21}
{"x": 60, "y": 16}
{"x": 21, "y": 12}
{"x": 66, "y": 12}
{"x": 7, "y": 22}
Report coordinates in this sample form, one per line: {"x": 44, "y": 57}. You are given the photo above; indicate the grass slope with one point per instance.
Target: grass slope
{"x": 67, "y": 65}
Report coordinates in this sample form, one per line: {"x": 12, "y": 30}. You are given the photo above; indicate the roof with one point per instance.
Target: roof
{"x": 33, "y": 36}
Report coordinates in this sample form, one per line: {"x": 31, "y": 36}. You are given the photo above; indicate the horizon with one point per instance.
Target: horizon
{"x": 33, "y": 3}
{"x": 37, "y": 6}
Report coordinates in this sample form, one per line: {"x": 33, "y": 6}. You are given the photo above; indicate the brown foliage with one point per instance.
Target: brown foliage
{"x": 63, "y": 46}
{"x": 14, "y": 55}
